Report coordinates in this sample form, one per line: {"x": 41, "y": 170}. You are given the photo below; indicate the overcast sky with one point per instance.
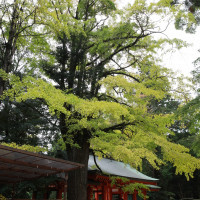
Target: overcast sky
{"x": 182, "y": 60}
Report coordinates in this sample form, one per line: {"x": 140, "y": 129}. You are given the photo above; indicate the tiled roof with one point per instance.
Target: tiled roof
{"x": 116, "y": 168}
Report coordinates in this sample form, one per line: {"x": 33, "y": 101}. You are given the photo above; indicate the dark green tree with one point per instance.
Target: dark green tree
{"x": 189, "y": 15}
{"x": 17, "y": 21}
{"x": 27, "y": 123}
{"x": 21, "y": 122}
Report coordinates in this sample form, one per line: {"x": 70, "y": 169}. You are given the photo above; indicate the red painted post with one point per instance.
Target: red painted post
{"x": 59, "y": 194}
{"x": 45, "y": 195}
{"x": 65, "y": 186}
{"x": 96, "y": 194}
{"x": 145, "y": 194}
{"x": 89, "y": 192}
{"x": 104, "y": 192}
{"x": 34, "y": 195}
{"x": 109, "y": 193}
{"x": 125, "y": 196}
{"x": 135, "y": 195}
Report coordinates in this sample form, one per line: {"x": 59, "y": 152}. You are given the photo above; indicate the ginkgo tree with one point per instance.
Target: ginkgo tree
{"x": 100, "y": 73}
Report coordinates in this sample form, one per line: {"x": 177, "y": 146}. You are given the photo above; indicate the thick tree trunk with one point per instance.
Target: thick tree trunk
{"x": 1, "y": 86}
{"x": 77, "y": 181}
{"x": 195, "y": 185}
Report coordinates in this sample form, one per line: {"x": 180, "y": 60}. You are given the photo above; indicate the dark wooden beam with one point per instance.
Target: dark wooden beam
{"x": 14, "y": 176}
{"x": 41, "y": 156}
{"x": 20, "y": 170}
{"x": 17, "y": 162}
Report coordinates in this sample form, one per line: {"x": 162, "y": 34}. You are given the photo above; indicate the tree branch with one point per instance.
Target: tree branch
{"x": 117, "y": 126}
{"x": 105, "y": 74}
{"x": 115, "y": 100}
{"x": 95, "y": 161}
{"x": 41, "y": 114}
{"x": 117, "y": 50}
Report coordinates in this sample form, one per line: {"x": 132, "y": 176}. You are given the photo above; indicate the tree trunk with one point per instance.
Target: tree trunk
{"x": 195, "y": 185}
{"x": 77, "y": 181}
{"x": 1, "y": 86}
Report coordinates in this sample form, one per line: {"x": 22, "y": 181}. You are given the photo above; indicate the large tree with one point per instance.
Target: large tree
{"x": 102, "y": 65}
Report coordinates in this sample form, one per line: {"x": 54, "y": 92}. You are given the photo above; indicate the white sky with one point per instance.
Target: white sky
{"x": 182, "y": 60}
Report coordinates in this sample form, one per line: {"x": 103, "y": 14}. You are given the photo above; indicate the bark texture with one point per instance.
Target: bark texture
{"x": 77, "y": 182}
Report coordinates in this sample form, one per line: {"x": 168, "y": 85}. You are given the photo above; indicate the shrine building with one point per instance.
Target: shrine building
{"x": 101, "y": 188}
{"x": 19, "y": 165}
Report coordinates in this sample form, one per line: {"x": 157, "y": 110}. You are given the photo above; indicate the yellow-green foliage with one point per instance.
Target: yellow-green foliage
{"x": 129, "y": 187}
{"x": 143, "y": 133}
{"x": 25, "y": 147}
{"x": 121, "y": 125}
{"x": 2, "y": 197}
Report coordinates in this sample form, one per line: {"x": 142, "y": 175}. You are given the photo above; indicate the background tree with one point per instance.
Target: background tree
{"x": 23, "y": 122}
{"x": 17, "y": 21}
{"x": 174, "y": 186}
{"x": 189, "y": 15}
{"x": 190, "y": 111}
{"x": 186, "y": 131}
{"x": 20, "y": 122}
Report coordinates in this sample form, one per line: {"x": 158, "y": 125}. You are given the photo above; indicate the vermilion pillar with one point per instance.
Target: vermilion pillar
{"x": 59, "y": 194}
{"x": 125, "y": 196}
{"x": 65, "y": 186}
{"x": 46, "y": 195}
{"x": 145, "y": 194}
{"x": 96, "y": 193}
{"x": 109, "y": 193}
{"x": 89, "y": 192}
{"x": 34, "y": 195}
{"x": 135, "y": 195}
{"x": 105, "y": 192}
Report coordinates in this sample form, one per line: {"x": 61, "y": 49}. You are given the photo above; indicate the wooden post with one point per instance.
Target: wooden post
{"x": 109, "y": 193}
{"x": 65, "y": 186}
{"x": 13, "y": 190}
{"x": 145, "y": 194}
{"x": 121, "y": 193}
{"x": 45, "y": 194}
{"x": 59, "y": 194}
{"x": 89, "y": 192}
{"x": 104, "y": 192}
{"x": 96, "y": 193}
{"x": 135, "y": 195}
{"x": 34, "y": 195}
{"x": 125, "y": 196}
